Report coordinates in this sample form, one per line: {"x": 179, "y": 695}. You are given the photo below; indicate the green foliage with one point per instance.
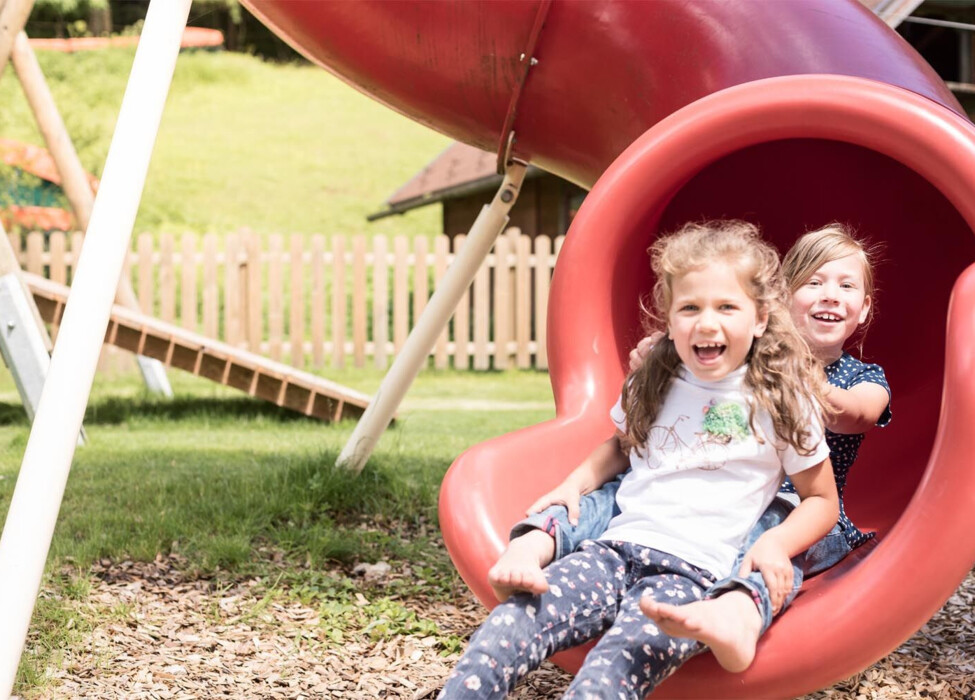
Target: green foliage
{"x": 71, "y": 8}
{"x": 243, "y": 143}
{"x": 231, "y": 7}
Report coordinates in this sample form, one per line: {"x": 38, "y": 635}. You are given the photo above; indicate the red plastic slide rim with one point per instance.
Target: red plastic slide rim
{"x": 911, "y": 129}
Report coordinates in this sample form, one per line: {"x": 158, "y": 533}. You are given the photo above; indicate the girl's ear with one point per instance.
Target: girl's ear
{"x": 761, "y": 323}
{"x": 865, "y": 311}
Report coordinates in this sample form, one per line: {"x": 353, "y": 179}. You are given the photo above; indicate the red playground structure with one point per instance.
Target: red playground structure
{"x": 789, "y": 114}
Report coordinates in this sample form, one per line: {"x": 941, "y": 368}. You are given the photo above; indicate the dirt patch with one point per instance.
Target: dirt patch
{"x": 164, "y": 635}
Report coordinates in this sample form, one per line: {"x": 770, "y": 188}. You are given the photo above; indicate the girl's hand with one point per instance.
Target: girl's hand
{"x": 771, "y": 558}
{"x": 562, "y": 495}
{"x": 643, "y": 348}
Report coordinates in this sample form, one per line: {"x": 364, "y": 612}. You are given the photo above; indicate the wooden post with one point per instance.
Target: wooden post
{"x": 297, "y": 306}
{"x": 13, "y": 17}
{"x": 74, "y": 180}
{"x": 380, "y": 302}
{"x": 275, "y": 300}
{"x": 318, "y": 300}
{"x": 359, "y": 296}
{"x": 462, "y": 318}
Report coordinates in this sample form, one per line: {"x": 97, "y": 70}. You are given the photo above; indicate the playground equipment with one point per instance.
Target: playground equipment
{"x": 15, "y": 47}
{"x": 173, "y": 346}
{"x": 89, "y": 310}
{"x": 789, "y": 114}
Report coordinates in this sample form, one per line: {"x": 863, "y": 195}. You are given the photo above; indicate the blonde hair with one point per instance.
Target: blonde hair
{"x": 783, "y": 376}
{"x": 826, "y": 244}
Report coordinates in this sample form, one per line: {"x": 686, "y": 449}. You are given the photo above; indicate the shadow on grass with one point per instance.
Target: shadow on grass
{"x": 116, "y": 410}
{"x": 12, "y": 414}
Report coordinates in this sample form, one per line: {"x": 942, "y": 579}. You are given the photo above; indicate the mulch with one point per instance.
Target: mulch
{"x": 163, "y": 634}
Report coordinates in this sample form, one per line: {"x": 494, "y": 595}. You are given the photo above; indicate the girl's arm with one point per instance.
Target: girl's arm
{"x": 815, "y": 516}
{"x": 604, "y": 463}
{"x": 857, "y": 409}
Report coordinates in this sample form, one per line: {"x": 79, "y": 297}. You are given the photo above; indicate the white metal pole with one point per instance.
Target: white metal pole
{"x": 416, "y": 349}
{"x": 47, "y": 459}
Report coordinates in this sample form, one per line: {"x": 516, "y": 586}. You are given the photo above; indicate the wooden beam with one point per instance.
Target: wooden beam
{"x": 13, "y": 17}
{"x": 74, "y": 180}
{"x": 178, "y": 347}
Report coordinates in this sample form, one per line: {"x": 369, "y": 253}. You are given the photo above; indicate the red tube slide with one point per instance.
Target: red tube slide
{"x": 790, "y": 114}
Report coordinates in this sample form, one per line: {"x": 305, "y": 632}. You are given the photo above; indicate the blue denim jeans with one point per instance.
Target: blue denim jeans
{"x": 596, "y": 509}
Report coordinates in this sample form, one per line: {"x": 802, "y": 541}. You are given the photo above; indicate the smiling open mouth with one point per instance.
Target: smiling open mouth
{"x": 709, "y": 351}
{"x": 827, "y": 317}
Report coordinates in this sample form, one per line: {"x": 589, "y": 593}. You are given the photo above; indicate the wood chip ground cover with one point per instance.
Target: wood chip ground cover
{"x": 162, "y": 634}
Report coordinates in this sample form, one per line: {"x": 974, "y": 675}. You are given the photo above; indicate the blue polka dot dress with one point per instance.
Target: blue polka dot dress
{"x": 846, "y": 373}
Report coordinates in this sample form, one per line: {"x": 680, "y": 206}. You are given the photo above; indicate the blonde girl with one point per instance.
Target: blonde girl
{"x": 726, "y": 406}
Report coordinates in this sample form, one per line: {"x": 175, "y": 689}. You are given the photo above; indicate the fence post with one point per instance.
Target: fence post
{"x": 318, "y": 300}
{"x": 502, "y": 303}
{"x": 167, "y": 288}
{"x": 401, "y": 294}
{"x": 462, "y": 319}
{"x": 440, "y": 244}
{"x": 523, "y": 300}
{"x": 188, "y": 305}
{"x": 380, "y": 302}
{"x": 338, "y": 301}
{"x": 275, "y": 298}
{"x": 211, "y": 290}
{"x": 543, "y": 254}
{"x": 297, "y": 330}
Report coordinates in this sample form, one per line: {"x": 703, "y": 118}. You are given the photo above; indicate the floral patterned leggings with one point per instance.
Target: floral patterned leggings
{"x": 595, "y": 590}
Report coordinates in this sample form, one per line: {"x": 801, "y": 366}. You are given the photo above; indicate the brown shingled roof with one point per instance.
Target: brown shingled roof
{"x": 460, "y": 169}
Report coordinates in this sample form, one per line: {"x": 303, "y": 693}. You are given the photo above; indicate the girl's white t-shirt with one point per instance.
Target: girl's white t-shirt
{"x": 704, "y": 477}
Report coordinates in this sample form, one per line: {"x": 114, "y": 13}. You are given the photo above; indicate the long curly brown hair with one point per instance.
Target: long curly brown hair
{"x": 783, "y": 377}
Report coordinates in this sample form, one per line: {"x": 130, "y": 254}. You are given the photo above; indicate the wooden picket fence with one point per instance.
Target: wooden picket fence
{"x": 317, "y": 301}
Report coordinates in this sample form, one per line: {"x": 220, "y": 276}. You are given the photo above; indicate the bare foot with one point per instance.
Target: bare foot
{"x": 520, "y": 566}
{"x": 729, "y": 625}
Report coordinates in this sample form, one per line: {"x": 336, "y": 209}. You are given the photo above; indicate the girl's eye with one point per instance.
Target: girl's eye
{"x": 813, "y": 283}
{"x": 688, "y": 307}
{"x": 728, "y": 307}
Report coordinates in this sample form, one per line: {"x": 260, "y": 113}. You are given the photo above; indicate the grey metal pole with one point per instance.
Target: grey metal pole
{"x": 483, "y": 233}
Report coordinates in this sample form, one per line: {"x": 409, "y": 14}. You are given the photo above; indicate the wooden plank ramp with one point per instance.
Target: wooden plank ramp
{"x": 254, "y": 374}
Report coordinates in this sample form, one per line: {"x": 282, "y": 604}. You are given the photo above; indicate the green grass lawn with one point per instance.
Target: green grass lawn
{"x": 237, "y": 487}
{"x": 241, "y": 488}
{"x": 278, "y": 148}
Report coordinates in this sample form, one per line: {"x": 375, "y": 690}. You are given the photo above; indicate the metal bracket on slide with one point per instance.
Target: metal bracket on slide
{"x": 528, "y": 61}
